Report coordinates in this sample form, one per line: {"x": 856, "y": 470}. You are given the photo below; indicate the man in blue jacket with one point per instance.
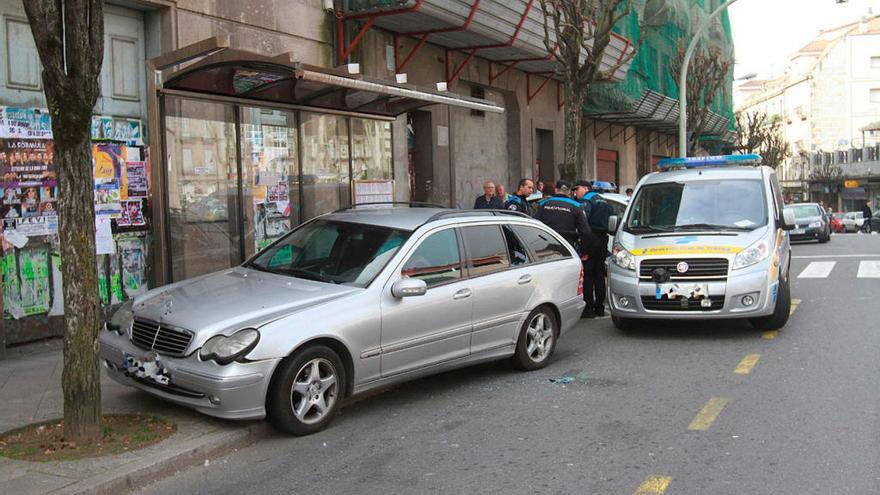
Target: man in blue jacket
{"x": 520, "y": 202}
{"x": 565, "y": 216}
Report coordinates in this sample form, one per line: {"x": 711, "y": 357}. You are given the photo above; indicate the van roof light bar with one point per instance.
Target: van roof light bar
{"x": 709, "y": 161}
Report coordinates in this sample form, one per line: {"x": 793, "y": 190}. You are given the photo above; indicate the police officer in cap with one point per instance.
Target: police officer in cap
{"x": 597, "y": 211}
{"x": 565, "y": 216}
{"x": 520, "y": 202}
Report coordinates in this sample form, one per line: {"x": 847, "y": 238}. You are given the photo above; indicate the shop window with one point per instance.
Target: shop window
{"x": 22, "y": 61}
{"x": 326, "y": 182}
{"x": 371, "y": 149}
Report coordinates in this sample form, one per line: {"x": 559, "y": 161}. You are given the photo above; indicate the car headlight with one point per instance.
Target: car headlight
{"x": 122, "y": 318}
{"x": 755, "y": 253}
{"x": 224, "y": 350}
{"x": 815, "y": 225}
{"x": 623, "y": 258}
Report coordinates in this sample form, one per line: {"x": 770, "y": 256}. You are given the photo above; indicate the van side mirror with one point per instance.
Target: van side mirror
{"x": 788, "y": 219}
{"x": 409, "y": 287}
{"x": 612, "y": 224}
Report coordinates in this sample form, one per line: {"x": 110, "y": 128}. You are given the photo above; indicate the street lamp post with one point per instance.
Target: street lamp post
{"x": 682, "y": 81}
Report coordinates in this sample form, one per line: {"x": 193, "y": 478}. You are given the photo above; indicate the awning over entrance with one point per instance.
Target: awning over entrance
{"x": 282, "y": 79}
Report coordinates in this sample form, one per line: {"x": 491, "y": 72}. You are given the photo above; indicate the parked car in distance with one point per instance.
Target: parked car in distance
{"x": 837, "y": 223}
{"x": 853, "y": 221}
{"x": 875, "y": 222}
{"x": 811, "y": 223}
{"x": 345, "y": 303}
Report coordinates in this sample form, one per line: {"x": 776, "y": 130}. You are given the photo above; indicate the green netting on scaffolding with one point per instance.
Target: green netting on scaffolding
{"x": 665, "y": 23}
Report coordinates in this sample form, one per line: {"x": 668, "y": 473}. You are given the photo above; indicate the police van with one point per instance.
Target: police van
{"x": 703, "y": 238}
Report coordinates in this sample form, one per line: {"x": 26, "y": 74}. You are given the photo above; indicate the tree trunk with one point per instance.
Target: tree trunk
{"x": 81, "y": 378}
{"x": 573, "y": 157}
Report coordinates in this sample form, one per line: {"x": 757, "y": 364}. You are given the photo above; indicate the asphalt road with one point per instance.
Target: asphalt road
{"x": 804, "y": 419}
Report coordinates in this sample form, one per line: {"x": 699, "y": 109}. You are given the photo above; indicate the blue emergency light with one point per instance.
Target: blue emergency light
{"x": 708, "y": 161}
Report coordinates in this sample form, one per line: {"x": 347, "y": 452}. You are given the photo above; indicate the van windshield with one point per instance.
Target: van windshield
{"x": 699, "y": 205}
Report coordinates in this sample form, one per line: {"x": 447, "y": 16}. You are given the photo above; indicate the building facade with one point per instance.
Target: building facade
{"x": 235, "y": 154}
{"x": 827, "y": 100}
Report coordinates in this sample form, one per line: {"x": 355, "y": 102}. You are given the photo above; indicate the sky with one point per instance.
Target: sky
{"x": 767, "y": 32}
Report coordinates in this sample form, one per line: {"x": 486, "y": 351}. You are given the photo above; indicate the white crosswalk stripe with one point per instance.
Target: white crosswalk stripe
{"x": 818, "y": 269}
{"x": 869, "y": 269}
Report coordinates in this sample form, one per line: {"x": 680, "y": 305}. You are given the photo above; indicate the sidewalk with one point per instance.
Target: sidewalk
{"x": 30, "y": 391}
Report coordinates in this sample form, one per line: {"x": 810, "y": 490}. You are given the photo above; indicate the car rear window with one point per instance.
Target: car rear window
{"x": 544, "y": 245}
{"x": 486, "y": 249}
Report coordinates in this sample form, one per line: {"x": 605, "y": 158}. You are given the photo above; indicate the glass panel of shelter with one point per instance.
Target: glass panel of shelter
{"x": 258, "y": 175}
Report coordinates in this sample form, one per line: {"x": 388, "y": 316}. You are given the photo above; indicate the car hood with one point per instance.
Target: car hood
{"x": 690, "y": 244}
{"x": 232, "y": 299}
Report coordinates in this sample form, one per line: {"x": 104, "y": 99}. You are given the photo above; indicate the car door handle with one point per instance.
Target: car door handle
{"x": 524, "y": 279}
{"x": 462, "y": 294}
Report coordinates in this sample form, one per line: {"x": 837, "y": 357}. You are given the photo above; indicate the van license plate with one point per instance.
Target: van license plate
{"x": 684, "y": 291}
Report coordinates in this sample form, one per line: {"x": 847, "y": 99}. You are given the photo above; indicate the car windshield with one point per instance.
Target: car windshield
{"x": 333, "y": 252}
{"x": 805, "y": 211}
{"x": 699, "y": 205}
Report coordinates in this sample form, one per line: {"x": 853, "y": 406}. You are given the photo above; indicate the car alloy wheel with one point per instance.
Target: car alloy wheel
{"x": 539, "y": 338}
{"x": 315, "y": 391}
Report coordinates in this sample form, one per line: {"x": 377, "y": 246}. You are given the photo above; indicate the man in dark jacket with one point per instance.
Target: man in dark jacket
{"x": 565, "y": 216}
{"x": 488, "y": 201}
{"x": 520, "y": 202}
{"x": 597, "y": 212}
{"x": 866, "y": 212}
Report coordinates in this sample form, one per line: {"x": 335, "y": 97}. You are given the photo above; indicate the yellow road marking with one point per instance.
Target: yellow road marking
{"x": 654, "y": 485}
{"x": 745, "y": 366}
{"x": 708, "y": 414}
{"x": 770, "y": 334}
{"x": 794, "y": 305}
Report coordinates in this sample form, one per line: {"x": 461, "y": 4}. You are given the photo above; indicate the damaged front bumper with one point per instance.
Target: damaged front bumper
{"x": 232, "y": 391}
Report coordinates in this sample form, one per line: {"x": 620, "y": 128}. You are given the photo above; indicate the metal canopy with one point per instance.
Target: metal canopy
{"x": 281, "y": 79}
{"x": 501, "y": 31}
{"x": 661, "y": 113}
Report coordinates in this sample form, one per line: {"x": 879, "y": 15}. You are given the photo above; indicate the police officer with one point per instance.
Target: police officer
{"x": 520, "y": 202}
{"x": 565, "y": 216}
{"x": 597, "y": 211}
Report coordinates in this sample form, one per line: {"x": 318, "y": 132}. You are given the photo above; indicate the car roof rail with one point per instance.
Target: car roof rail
{"x": 411, "y": 204}
{"x": 474, "y": 213}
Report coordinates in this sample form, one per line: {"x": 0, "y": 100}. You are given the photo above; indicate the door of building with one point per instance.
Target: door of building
{"x": 544, "y": 156}
{"x": 420, "y": 152}
{"x": 606, "y": 165}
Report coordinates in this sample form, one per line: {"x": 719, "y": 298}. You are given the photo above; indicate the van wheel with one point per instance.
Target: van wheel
{"x": 621, "y": 323}
{"x": 780, "y": 314}
{"x": 306, "y": 391}
{"x": 537, "y": 340}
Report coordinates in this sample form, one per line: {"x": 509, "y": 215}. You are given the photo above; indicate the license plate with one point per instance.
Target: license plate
{"x": 685, "y": 291}
{"x": 797, "y": 231}
{"x": 149, "y": 369}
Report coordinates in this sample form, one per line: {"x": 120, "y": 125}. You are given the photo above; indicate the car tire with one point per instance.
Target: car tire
{"x": 306, "y": 391}
{"x": 537, "y": 340}
{"x": 622, "y": 323}
{"x": 781, "y": 312}
{"x": 824, "y": 238}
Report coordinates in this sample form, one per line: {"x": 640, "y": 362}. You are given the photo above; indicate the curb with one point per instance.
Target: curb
{"x": 189, "y": 454}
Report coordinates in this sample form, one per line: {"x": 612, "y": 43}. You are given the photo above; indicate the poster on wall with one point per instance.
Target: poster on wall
{"x": 109, "y": 162}
{"x": 132, "y": 214}
{"x": 30, "y": 123}
{"x": 27, "y": 162}
{"x": 134, "y": 266}
{"x": 136, "y": 179}
{"x": 35, "y": 287}
{"x": 107, "y": 200}
{"x": 103, "y": 235}
{"x": 373, "y": 191}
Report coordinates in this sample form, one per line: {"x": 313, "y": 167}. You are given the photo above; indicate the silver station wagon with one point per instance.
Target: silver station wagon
{"x": 348, "y": 302}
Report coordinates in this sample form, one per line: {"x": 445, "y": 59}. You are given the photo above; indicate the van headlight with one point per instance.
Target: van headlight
{"x": 122, "y": 318}
{"x": 224, "y": 350}
{"x": 815, "y": 225}
{"x": 755, "y": 253}
{"x": 623, "y": 258}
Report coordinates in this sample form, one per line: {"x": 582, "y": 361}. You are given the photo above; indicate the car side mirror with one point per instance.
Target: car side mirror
{"x": 408, "y": 287}
{"x": 788, "y": 219}
{"x": 612, "y": 224}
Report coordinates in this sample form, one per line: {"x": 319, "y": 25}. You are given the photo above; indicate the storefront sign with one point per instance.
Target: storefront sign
{"x": 850, "y": 184}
